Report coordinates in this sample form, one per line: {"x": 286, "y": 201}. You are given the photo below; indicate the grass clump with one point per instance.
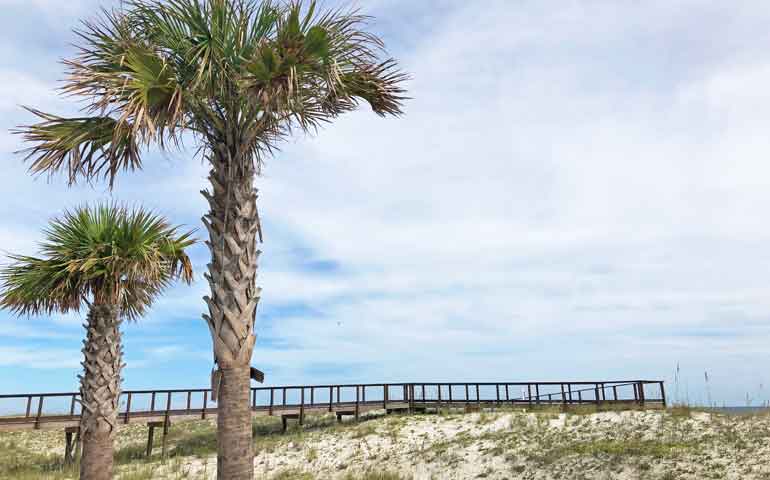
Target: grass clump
{"x": 22, "y": 464}
{"x": 292, "y": 475}
{"x": 376, "y": 475}
{"x": 616, "y": 449}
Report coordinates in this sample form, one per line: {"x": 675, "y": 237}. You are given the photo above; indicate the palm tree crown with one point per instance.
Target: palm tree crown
{"x": 111, "y": 254}
{"x": 240, "y": 72}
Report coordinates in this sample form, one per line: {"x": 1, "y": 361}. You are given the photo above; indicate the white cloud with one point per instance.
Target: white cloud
{"x": 39, "y": 358}
{"x": 568, "y": 186}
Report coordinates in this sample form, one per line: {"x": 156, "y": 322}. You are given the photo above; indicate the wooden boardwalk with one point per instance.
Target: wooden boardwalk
{"x": 62, "y": 410}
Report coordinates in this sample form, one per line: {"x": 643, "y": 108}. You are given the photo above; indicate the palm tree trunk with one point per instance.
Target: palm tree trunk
{"x": 232, "y": 223}
{"x": 100, "y": 391}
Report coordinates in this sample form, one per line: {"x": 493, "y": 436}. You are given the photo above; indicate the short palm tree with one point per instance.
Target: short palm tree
{"x": 116, "y": 261}
{"x": 239, "y": 76}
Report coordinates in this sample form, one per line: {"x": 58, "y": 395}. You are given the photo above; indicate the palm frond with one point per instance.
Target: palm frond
{"x": 107, "y": 252}
{"x": 90, "y": 147}
{"x": 319, "y": 66}
{"x": 125, "y": 75}
{"x": 242, "y": 73}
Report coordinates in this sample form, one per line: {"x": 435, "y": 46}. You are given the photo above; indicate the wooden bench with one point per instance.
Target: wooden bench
{"x": 291, "y": 416}
{"x": 344, "y": 413}
{"x": 397, "y": 410}
{"x": 151, "y": 433}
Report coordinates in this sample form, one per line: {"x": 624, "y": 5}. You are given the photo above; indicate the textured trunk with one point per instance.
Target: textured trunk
{"x": 235, "y": 455}
{"x": 232, "y": 223}
{"x": 100, "y": 391}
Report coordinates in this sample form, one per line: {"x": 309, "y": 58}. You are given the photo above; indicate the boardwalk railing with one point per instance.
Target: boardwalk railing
{"x": 57, "y": 410}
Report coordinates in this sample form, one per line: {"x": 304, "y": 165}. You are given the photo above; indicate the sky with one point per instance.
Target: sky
{"x": 577, "y": 190}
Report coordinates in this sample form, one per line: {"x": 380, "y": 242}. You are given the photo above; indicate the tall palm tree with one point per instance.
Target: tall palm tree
{"x": 116, "y": 261}
{"x": 238, "y": 76}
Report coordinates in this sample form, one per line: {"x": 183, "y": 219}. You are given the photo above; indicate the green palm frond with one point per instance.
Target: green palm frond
{"x": 108, "y": 253}
{"x": 228, "y": 71}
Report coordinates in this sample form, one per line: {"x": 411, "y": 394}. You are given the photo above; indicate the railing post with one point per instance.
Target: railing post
{"x": 331, "y": 398}
{"x": 205, "y": 402}
{"x": 641, "y": 393}
{"x": 254, "y": 399}
{"x": 497, "y": 389}
{"x": 569, "y": 392}
{"x": 301, "y": 405}
{"x": 357, "y": 403}
{"x": 363, "y": 394}
{"x": 29, "y": 405}
{"x": 152, "y": 404}
{"x": 529, "y": 394}
{"x": 39, "y": 412}
{"x": 615, "y": 393}
{"x": 478, "y": 398}
{"x": 467, "y": 397}
{"x": 596, "y": 393}
{"x": 563, "y": 397}
{"x": 507, "y": 397}
{"x": 284, "y": 397}
{"x": 537, "y": 393}
{"x": 423, "y": 394}
{"x": 580, "y": 397}
{"x": 438, "y": 408}
{"x": 166, "y": 421}
{"x": 72, "y": 406}
{"x": 189, "y": 400}
{"x": 312, "y": 396}
{"x": 385, "y": 397}
{"x": 128, "y": 407}
{"x": 662, "y": 393}
{"x": 338, "y": 394}
{"x": 450, "y": 395}
{"x": 272, "y": 402}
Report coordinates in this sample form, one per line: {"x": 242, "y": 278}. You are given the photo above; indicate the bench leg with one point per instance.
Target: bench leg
{"x": 165, "y": 433}
{"x": 77, "y": 444}
{"x": 150, "y": 434}
{"x": 68, "y": 448}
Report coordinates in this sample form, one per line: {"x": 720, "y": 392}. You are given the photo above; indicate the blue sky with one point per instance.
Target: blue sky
{"x": 579, "y": 189}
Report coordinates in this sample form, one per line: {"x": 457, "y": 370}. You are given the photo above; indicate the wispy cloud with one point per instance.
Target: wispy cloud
{"x": 571, "y": 185}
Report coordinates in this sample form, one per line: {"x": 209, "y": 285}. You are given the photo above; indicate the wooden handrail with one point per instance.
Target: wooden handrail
{"x": 629, "y": 391}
